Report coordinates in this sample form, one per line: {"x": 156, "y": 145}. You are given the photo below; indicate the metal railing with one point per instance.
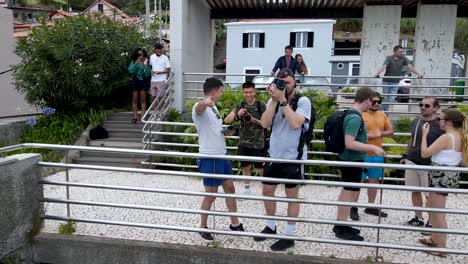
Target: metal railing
{"x": 379, "y": 227}
{"x": 158, "y": 110}
{"x": 418, "y": 91}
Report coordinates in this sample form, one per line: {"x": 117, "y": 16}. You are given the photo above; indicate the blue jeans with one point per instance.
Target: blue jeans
{"x": 389, "y": 90}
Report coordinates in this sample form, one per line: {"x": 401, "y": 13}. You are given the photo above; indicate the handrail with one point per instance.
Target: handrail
{"x": 352, "y": 85}
{"x": 233, "y": 157}
{"x": 324, "y": 76}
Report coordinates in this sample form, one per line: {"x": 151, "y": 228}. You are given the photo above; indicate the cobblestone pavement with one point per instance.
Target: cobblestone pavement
{"x": 194, "y": 184}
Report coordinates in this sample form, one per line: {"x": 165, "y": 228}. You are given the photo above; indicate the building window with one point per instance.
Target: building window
{"x": 301, "y": 39}
{"x": 354, "y": 71}
{"x": 251, "y": 71}
{"x": 253, "y": 40}
{"x": 30, "y": 16}
{"x": 100, "y": 8}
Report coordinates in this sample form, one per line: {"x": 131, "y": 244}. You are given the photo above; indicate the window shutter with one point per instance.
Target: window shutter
{"x": 262, "y": 40}
{"x": 101, "y": 8}
{"x": 310, "y": 39}
{"x": 292, "y": 39}
{"x": 245, "y": 40}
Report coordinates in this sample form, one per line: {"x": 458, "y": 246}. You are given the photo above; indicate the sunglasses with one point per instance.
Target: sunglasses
{"x": 285, "y": 73}
{"x": 425, "y": 105}
{"x": 374, "y": 102}
{"x": 216, "y": 113}
{"x": 438, "y": 119}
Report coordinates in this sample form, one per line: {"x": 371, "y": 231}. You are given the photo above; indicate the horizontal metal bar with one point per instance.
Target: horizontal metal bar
{"x": 252, "y": 178}
{"x": 251, "y": 234}
{"x": 256, "y": 216}
{"x": 238, "y": 158}
{"x": 324, "y": 76}
{"x": 237, "y": 137}
{"x": 354, "y": 85}
{"x": 393, "y": 103}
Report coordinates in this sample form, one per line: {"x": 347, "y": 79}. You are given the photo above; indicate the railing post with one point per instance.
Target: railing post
{"x": 67, "y": 188}
{"x": 380, "y": 217}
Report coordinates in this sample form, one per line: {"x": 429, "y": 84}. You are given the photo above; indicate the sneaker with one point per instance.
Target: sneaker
{"x": 353, "y": 214}
{"x": 206, "y": 236}
{"x": 427, "y": 233}
{"x": 351, "y": 229}
{"x": 282, "y": 245}
{"x": 265, "y": 230}
{"x": 375, "y": 211}
{"x": 344, "y": 232}
{"x": 240, "y": 227}
{"x": 416, "y": 221}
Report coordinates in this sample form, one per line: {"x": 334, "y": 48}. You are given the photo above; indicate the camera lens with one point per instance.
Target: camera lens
{"x": 280, "y": 84}
{"x": 247, "y": 118}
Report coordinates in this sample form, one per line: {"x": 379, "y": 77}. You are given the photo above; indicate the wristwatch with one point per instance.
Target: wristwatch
{"x": 284, "y": 103}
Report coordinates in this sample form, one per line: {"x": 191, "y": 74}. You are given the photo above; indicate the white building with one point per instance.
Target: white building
{"x": 253, "y": 46}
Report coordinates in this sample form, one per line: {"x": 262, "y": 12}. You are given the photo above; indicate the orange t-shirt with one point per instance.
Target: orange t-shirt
{"x": 374, "y": 121}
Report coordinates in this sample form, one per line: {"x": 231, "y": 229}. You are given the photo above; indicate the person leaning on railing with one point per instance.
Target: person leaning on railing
{"x": 450, "y": 149}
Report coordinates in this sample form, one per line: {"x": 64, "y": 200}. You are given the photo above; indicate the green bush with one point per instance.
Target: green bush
{"x": 78, "y": 64}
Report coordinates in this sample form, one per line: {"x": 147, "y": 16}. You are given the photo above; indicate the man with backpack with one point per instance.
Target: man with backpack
{"x": 290, "y": 117}
{"x": 346, "y": 134}
{"x": 251, "y": 133}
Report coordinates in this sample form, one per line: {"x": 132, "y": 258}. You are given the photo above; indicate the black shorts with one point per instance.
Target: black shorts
{"x": 351, "y": 174}
{"x": 283, "y": 171}
{"x": 139, "y": 85}
{"x": 245, "y": 151}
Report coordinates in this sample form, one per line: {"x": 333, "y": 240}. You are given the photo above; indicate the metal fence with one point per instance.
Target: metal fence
{"x": 379, "y": 227}
{"x": 449, "y": 95}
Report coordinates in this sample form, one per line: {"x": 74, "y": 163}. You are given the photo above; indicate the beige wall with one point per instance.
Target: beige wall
{"x": 10, "y": 99}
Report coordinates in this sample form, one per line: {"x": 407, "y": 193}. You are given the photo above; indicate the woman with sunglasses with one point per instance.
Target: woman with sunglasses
{"x": 450, "y": 149}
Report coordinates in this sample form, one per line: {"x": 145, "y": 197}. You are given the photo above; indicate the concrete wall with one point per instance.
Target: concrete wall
{"x": 19, "y": 200}
{"x": 74, "y": 249}
{"x": 434, "y": 41}
{"x": 380, "y": 33}
{"x": 11, "y": 102}
{"x": 192, "y": 42}
{"x": 10, "y": 133}
{"x": 277, "y": 35}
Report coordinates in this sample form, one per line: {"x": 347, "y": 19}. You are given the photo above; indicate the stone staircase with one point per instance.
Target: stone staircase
{"x": 122, "y": 134}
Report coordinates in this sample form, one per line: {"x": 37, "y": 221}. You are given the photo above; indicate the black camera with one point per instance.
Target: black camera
{"x": 280, "y": 84}
{"x": 247, "y": 117}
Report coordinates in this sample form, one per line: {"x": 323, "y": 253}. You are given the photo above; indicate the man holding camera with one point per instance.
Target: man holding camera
{"x": 251, "y": 133}
{"x": 286, "y": 129}
{"x": 209, "y": 125}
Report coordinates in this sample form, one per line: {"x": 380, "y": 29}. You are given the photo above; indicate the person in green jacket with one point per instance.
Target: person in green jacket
{"x": 140, "y": 70}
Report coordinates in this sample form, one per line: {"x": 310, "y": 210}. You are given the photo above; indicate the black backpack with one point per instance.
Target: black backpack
{"x": 333, "y": 131}
{"x": 98, "y": 133}
{"x": 306, "y": 135}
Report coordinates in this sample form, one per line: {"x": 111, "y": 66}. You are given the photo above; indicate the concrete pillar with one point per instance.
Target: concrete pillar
{"x": 433, "y": 43}
{"x": 380, "y": 33}
{"x": 192, "y": 46}
{"x": 21, "y": 209}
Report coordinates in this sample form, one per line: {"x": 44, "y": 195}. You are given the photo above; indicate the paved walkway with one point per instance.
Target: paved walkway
{"x": 194, "y": 184}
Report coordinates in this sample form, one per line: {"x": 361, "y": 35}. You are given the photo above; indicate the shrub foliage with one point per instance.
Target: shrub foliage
{"x": 78, "y": 63}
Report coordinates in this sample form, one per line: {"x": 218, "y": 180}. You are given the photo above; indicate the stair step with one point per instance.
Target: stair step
{"x": 113, "y": 143}
{"x": 122, "y": 125}
{"x": 110, "y": 159}
{"x": 125, "y": 133}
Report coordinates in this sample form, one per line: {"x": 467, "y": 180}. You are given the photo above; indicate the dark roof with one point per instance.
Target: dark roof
{"x": 314, "y": 8}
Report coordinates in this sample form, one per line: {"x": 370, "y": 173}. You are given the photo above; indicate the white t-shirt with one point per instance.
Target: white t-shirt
{"x": 209, "y": 126}
{"x": 284, "y": 140}
{"x": 160, "y": 63}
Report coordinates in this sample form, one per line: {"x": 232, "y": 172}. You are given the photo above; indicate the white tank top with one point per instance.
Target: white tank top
{"x": 448, "y": 157}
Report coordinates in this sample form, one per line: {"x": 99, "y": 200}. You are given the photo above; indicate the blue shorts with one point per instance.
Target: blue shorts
{"x": 373, "y": 173}
{"x": 214, "y": 166}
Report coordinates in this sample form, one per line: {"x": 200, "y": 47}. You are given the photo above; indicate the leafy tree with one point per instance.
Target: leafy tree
{"x": 77, "y": 64}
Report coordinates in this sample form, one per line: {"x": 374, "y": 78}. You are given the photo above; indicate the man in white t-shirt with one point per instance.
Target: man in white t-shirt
{"x": 211, "y": 141}
{"x": 160, "y": 67}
